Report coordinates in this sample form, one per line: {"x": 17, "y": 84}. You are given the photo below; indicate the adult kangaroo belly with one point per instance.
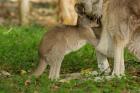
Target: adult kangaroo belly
{"x": 106, "y": 45}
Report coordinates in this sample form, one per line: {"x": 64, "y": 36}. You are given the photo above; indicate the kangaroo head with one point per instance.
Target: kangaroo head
{"x": 84, "y": 19}
{"x": 92, "y": 8}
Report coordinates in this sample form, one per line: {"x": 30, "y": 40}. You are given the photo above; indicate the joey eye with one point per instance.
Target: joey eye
{"x": 79, "y": 8}
{"x": 82, "y": 8}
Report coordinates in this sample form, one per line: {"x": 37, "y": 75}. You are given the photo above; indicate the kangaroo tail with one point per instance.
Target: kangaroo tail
{"x": 41, "y": 67}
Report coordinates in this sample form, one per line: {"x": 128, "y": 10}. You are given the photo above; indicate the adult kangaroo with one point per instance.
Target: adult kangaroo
{"x": 120, "y": 29}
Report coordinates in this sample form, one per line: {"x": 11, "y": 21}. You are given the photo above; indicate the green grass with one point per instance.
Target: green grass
{"x": 18, "y": 51}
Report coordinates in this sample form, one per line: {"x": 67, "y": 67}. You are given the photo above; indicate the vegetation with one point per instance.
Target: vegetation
{"x": 18, "y": 56}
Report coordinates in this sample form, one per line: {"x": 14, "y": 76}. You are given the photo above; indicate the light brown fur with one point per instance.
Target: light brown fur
{"x": 62, "y": 40}
{"x": 121, "y": 29}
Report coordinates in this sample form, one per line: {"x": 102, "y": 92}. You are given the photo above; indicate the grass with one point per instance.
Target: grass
{"x": 18, "y": 53}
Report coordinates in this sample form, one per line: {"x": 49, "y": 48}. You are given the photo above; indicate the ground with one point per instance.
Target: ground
{"x": 19, "y": 57}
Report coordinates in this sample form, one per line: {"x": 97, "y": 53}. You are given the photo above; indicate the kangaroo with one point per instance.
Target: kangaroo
{"x": 120, "y": 30}
{"x": 62, "y": 40}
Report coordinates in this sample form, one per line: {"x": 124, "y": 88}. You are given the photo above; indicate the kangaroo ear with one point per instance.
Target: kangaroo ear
{"x": 79, "y": 8}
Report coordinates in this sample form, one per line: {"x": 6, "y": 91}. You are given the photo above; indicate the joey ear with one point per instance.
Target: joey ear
{"x": 79, "y": 8}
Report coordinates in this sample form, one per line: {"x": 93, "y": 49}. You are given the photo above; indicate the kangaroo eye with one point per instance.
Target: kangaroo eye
{"x": 82, "y": 8}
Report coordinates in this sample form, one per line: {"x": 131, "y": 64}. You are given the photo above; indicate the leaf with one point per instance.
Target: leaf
{"x": 22, "y": 72}
{"x": 5, "y": 73}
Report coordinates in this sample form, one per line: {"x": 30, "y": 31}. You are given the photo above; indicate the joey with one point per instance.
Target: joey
{"x": 62, "y": 40}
